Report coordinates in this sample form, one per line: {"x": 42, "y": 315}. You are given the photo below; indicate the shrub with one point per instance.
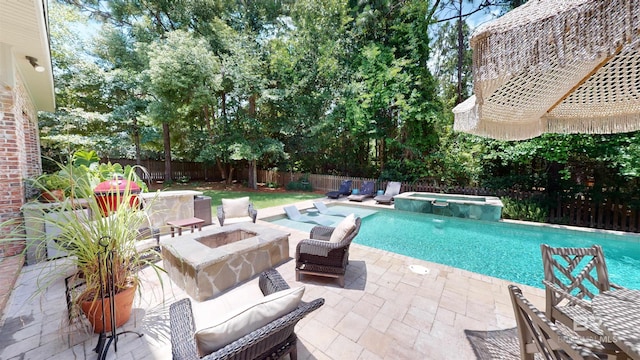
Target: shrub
{"x": 527, "y": 210}
{"x": 299, "y": 185}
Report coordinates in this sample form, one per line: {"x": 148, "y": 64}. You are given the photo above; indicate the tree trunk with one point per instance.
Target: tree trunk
{"x": 136, "y": 140}
{"x": 252, "y": 181}
{"x": 253, "y": 174}
{"x": 167, "y": 151}
{"x": 221, "y": 168}
{"x": 230, "y": 176}
{"x": 460, "y": 55}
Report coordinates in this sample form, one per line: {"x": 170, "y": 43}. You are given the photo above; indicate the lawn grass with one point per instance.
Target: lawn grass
{"x": 261, "y": 199}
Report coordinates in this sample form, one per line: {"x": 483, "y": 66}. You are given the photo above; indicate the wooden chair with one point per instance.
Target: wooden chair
{"x": 572, "y": 277}
{"x": 539, "y": 336}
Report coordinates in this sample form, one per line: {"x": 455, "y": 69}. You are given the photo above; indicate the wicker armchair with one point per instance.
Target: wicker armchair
{"x": 318, "y": 256}
{"x": 537, "y": 334}
{"x": 271, "y": 341}
{"x": 249, "y": 215}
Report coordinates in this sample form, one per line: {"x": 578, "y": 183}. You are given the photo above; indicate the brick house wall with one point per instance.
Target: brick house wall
{"x": 19, "y": 156}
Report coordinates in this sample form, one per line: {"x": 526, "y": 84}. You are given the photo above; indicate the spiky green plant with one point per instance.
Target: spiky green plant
{"x": 90, "y": 237}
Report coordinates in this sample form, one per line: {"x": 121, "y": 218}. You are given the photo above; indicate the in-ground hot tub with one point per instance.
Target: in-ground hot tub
{"x": 210, "y": 261}
{"x": 463, "y": 206}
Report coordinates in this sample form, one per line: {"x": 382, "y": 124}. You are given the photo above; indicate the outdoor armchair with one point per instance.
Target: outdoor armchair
{"x": 326, "y": 253}
{"x": 572, "y": 277}
{"x": 236, "y": 210}
{"x": 273, "y": 340}
{"x": 536, "y": 334}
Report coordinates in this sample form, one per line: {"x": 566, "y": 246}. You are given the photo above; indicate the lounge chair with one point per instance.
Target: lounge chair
{"x": 326, "y": 253}
{"x": 295, "y": 215}
{"x": 366, "y": 191}
{"x": 253, "y": 340}
{"x": 324, "y": 210}
{"x": 345, "y": 189}
{"x": 393, "y": 189}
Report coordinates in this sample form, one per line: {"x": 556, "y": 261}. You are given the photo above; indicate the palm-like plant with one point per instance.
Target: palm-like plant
{"x": 94, "y": 231}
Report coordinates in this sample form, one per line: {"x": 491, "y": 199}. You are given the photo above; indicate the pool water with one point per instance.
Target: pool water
{"x": 503, "y": 250}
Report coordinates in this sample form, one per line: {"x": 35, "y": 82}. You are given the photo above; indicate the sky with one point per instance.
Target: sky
{"x": 474, "y": 20}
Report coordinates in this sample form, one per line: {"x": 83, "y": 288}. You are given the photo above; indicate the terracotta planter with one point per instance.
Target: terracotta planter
{"x": 124, "y": 303}
{"x": 53, "y": 195}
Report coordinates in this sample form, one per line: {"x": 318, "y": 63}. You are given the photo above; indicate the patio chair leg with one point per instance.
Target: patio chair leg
{"x": 297, "y": 275}
{"x": 341, "y": 280}
{"x": 293, "y": 355}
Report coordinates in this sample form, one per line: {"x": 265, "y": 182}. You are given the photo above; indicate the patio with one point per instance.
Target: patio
{"x": 385, "y": 311}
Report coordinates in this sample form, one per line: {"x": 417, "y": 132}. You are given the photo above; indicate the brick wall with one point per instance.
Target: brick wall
{"x": 19, "y": 157}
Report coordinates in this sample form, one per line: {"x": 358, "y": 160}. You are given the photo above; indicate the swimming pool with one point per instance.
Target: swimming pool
{"x": 503, "y": 250}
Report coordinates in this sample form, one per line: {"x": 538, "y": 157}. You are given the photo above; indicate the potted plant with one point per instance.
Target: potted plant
{"x": 52, "y": 187}
{"x": 92, "y": 239}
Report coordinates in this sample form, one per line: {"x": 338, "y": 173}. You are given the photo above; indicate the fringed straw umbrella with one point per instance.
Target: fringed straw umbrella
{"x": 558, "y": 66}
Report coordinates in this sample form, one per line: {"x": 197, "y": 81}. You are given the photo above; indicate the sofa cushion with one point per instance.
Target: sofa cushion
{"x": 247, "y": 319}
{"x": 235, "y": 207}
{"x": 238, "y": 220}
{"x": 346, "y": 226}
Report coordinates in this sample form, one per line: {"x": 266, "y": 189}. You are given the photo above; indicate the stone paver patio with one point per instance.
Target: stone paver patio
{"x": 385, "y": 311}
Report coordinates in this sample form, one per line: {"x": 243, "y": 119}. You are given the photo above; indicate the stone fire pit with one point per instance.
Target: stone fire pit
{"x": 215, "y": 259}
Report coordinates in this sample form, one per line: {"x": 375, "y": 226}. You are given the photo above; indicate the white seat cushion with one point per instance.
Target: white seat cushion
{"x": 247, "y": 319}
{"x": 235, "y": 207}
{"x": 347, "y": 225}
{"x": 237, "y": 220}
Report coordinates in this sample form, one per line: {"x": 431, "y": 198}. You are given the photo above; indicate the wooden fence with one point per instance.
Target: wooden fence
{"x": 607, "y": 214}
{"x": 581, "y": 211}
{"x": 192, "y": 170}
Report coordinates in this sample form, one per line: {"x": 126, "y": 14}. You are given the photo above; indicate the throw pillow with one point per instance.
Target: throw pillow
{"x": 347, "y": 225}
{"x": 248, "y": 319}
{"x": 235, "y": 207}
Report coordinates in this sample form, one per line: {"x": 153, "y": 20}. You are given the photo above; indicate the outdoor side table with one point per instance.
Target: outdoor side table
{"x": 312, "y": 212}
{"x": 192, "y": 223}
{"x": 618, "y": 312}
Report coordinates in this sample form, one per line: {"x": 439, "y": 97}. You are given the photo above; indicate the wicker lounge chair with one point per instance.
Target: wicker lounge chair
{"x": 321, "y": 256}
{"x": 366, "y": 191}
{"x": 295, "y": 215}
{"x": 569, "y": 289}
{"x": 273, "y": 340}
{"x": 539, "y": 335}
{"x": 236, "y": 210}
{"x": 393, "y": 189}
{"x": 345, "y": 189}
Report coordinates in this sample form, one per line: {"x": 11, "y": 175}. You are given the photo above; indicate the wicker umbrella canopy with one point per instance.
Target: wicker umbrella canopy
{"x": 559, "y": 66}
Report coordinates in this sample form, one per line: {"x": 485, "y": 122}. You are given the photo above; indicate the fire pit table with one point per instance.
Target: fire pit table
{"x": 215, "y": 259}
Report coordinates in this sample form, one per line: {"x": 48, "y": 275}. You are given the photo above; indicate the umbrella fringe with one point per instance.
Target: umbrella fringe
{"x": 560, "y": 66}
{"x": 595, "y": 125}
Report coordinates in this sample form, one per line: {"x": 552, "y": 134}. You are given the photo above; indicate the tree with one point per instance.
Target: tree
{"x": 184, "y": 78}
